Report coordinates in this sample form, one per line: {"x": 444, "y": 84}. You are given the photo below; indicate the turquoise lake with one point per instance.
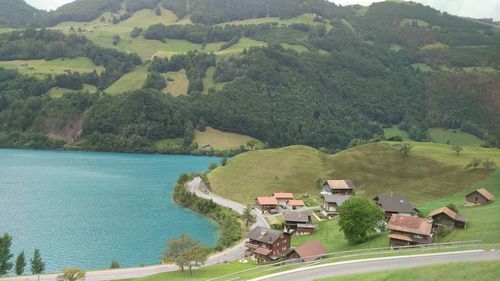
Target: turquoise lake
{"x": 85, "y": 209}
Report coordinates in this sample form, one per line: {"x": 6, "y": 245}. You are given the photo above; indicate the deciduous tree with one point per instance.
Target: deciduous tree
{"x": 358, "y": 218}
{"x": 185, "y": 252}
{"x": 73, "y": 274}
{"x": 247, "y": 216}
{"x": 457, "y": 149}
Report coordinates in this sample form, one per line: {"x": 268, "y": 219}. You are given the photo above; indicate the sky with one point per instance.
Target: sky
{"x": 469, "y": 8}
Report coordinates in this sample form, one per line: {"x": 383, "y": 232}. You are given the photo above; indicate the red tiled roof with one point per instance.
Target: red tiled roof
{"x": 401, "y": 237}
{"x": 340, "y": 184}
{"x": 409, "y": 224}
{"x": 311, "y": 250}
{"x": 296, "y": 203}
{"x": 450, "y": 213}
{"x": 267, "y": 201}
{"x": 283, "y": 195}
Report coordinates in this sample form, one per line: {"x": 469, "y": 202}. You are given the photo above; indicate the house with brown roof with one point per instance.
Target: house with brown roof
{"x": 296, "y": 204}
{"x": 395, "y": 204}
{"x": 266, "y": 244}
{"x": 266, "y": 204}
{"x": 480, "y": 196}
{"x": 447, "y": 219}
{"x": 298, "y": 222}
{"x": 283, "y": 197}
{"x": 310, "y": 251}
{"x": 332, "y": 202}
{"x": 341, "y": 187}
{"x": 406, "y": 230}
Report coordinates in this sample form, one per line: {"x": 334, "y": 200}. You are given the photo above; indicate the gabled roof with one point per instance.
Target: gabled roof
{"x": 395, "y": 204}
{"x": 283, "y": 195}
{"x": 340, "y": 184}
{"x": 402, "y": 237}
{"x": 485, "y": 193}
{"x": 311, "y": 250}
{"x": 267, "y": 201}
{"x": 337, "y": 199}
{"x": 450, "y": 213}
{"x": 296, "y": 216}
{"x": 409, "y": 224}
{"x": 296, "y": 203}
{"x": 263, "y": 251}
{"x": 264, "y": 235}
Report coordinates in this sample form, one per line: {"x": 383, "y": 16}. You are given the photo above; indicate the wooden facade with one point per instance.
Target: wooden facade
{"x": 480, "y": 197}
{"x": 266, "y": 244}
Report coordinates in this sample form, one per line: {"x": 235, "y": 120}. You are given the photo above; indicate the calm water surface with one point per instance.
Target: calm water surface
{"x": 85, "y": 209}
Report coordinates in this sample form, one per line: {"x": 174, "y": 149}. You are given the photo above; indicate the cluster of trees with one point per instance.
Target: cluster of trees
{"x": 81, "y": 11}
{"x": 37, "y": 265}
{"x": 18, "y": 14}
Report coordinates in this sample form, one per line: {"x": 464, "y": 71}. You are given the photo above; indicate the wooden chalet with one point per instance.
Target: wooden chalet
{"x": 332, "y": 202}
{"x": 266, "y": 204}
{"x": 296, "y": 204}
{"x": 341, "y": 187}
{"x": 447, "y": 219}
{"x": 298, "y": 222}
{"x": 266, "y": 244}
{"x": 480, "y": 196}
{"x": 310, "y": 251}
{"x": 283, "y": 197}
{"x": 394, "y": 204}
{"x": 406, "y": 230}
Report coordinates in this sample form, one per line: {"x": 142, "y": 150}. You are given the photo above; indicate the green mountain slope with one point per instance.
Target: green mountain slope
{"x": 16, "y": 13}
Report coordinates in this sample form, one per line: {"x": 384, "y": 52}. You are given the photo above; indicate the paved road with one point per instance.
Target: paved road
{"x": 392, "y": 263}
{"x": 234, "y": 253}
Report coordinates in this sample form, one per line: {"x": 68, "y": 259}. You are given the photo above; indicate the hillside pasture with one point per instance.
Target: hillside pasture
{"x": 244, "y": 43}
{"x": 307, "y": 18}
{"x": 395, "y": 131}
{"x": 57, "y": 92}
{"x": 221, "y": 140}
{"x": 172, "y": 142}
{"x": 131, "y": 81}
{"x": 453, "y": 137}
{"x": 42, "y": 68}
{"x": 208, "y": 81}
{"x": 179, "y": 84}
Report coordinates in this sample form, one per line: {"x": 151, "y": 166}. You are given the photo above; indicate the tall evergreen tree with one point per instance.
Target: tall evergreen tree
{"x": 5, "y": 255}
{"x": 20, "y": 263}
{"x": 37, "y": 265}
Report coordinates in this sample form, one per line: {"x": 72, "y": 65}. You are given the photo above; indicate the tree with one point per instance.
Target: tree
{"x": 212, "y": 166}
{"x": 20, "y": 263}
{"x": 5, "y": 255}
{"x": 489, "y": 164}
{"x": 251, "y": 144}
{"x": 155, "y": 81}
{"x": 116, "y": 39}
{"x": 185, "y": 252}
{"x": 73, "y": 274}
{"x": 404, "y": 148}
{"x": 223, "y": 162}
{"x": 358, "y": 218}
{"x": 114, "y": 264}
{"x": 452, "y": 207}
{"x": 37, "y": 265}
{"x": 247, "y": 216}
{"x": 473, "y": 164}
{"x": 188, "y": 134}
{"x": 457, "y": 149}
{"x": 157, "y": 11}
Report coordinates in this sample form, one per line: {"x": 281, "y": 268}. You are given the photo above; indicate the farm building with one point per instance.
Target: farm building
{"x": 283, "y": 197}
{"x": 310, "y": 251}
{"x": 266, "y": 244}
{"x": 394, "y": 204}
{"x": 341, "y": 187}
{"x": 444, "y": 217}
{"x": 479, "y": 196}
{"x": 267, "y": 204}
{"x": 331, "y": 203}
{"x": 298, "y": 222}
{"x": 296, "y": 204}
{"x": 406, "y": 230}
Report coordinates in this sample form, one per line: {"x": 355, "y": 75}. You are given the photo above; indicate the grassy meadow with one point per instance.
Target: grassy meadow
{"x": 43, "y": 68}
{"x": 395, "y": 131}
{"x": 57, "y": 92}
{"x": 471, "y": 271}
{"x": 221, "y": 140}
{"x": 131, "y": 81}
{"x": 208, "y": 81}
{"x": 454, "y": 137}
{"x": 179, "y": 84}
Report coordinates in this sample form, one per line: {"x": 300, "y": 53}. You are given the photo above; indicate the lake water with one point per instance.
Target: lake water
{"x": 85, "y": 209}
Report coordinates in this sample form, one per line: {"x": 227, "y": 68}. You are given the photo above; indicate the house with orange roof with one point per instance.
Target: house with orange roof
{"x": 283, "y": 197}
{"x": 406, "y": 230}
{"x": 266, "y": 204}
{"x": 296, "y": 204}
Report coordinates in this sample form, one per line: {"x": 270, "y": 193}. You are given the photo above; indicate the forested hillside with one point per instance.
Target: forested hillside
{"x": 282, "y": 71}
{"x": 15, "y": 13}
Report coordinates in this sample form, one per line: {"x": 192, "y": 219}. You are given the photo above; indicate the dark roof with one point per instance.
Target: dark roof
{"x": 264, "y": 235}
{"x": 409, "y": 224}
{"x": 485, "y": 193}
{"x": 311, "y": 250}
{"x": 296, "y": 216}
{"x": 337, "y": 199}
{"x": 395, "y": 203}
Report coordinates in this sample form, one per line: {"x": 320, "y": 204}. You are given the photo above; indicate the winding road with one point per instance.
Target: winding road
{"x": 196, "y": 185}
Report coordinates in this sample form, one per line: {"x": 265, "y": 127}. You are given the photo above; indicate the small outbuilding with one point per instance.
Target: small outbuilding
{"x": 310, "y": 251}
{"x": 331, "y": 203}
{"x": 342, "y": 187}
{"x": 296, "y": 204}
{"x": 298, "y": 222}
{"x": 283, "y": 197}
{"x": 447, "y": 219}
{"x": 480, "y": 197}
{"x": 266, "y": 204}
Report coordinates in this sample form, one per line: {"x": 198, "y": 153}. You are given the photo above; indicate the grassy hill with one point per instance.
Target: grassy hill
{"x": 131, "y": 81}
{"x": 51, "y": 67}
{"x": 432, "y": 171}
{"x": 221, "y": 140}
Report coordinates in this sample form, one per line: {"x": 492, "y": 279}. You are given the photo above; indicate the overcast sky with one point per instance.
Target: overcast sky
{"x": 470, "y": 8}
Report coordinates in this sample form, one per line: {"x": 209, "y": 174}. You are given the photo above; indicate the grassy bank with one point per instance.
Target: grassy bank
{"x": 471, "y": 271}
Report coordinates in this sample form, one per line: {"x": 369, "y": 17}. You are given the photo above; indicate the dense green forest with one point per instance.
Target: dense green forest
{"x": 359, "y": 70}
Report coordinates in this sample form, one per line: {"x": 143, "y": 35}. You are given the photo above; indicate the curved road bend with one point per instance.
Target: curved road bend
{"x": 234, "y": 253}
{"x": 382, "y": 264}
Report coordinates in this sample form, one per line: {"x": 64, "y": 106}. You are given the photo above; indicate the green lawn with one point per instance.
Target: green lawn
{"x": 220, "y": 140}
{"x": 131, "y": 81}
{"x": 298, "y": 48}
{"x": 180, "y": 84}
{"x": 52, "y": 67}
{"x": 470, "y": 271}
{"x": 244, "y": 43}
{"x": 395, "y": 131}
{"x": 453, "y": 136}
{"x": 305, "y": 19}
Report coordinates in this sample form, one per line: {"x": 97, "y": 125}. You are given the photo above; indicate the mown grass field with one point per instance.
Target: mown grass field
{"x": 395, "y": 131}
{"x": 208, "y": 81}
{"x": 57, "y": 92}
{"x": 180, "y": 84}
{"x": 131, "y": 81}
{"x": 221, "y": 140}
{"x": 52, "y": 67}
{"x": 432, "y": 171}
{"x": 453, "y": 137}
{"x": 471, "y": 271}
{"x": 305, "y": 19}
